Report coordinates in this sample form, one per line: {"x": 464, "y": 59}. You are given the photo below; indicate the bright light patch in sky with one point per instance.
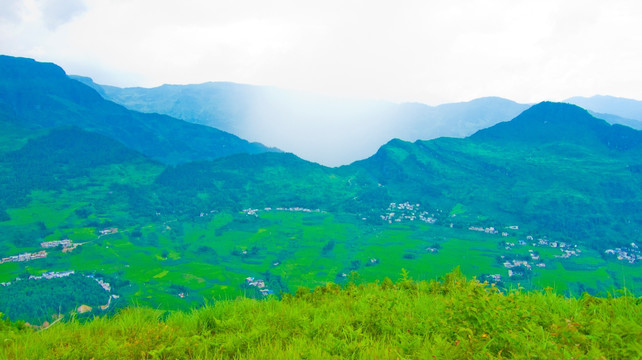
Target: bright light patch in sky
{"x": 425, "y": 51}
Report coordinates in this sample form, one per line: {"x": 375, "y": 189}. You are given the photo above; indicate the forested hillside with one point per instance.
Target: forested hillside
{"x": 40, "y": 96}
{"x": 554, "y": 167}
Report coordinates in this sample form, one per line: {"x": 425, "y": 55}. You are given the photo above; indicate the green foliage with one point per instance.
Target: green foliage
{"x": 454, "y": 318}
{"x": 37, "y": 301}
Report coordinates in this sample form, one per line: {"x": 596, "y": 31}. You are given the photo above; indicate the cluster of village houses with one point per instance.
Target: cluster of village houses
{"x": 47, "y": 275}
{"x": 260, "y": 284}
{"x": 509, "y": 264}
{"x": 67, "y": 245}
{"x": 521, "y": 265}
{"x": 629, "y": 254}
{"x": 108, "y": 231}
{"x": 24, "y": 257}
{"x": 489, "y": 230}
{"x": 52, "y": 275}
{"x": 254, "y": 212}
{"x": 55, "y": 243}
{"x": 568, "y": 253}
{"x": 568, "y": 250}
{"x": 398, "y": 212}
{"x": 251, "y": 211}
{"x": 563, "y": 246}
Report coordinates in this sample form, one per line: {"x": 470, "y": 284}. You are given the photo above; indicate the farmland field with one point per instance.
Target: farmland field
{"x": 171, "y": 264}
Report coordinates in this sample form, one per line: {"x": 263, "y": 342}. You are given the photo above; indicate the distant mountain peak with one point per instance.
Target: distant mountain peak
{"x": 548, "y": 122}
{"x": 548, "y": 111}
{"x": 544, "y": 116}
{"x": 605, "y": 104}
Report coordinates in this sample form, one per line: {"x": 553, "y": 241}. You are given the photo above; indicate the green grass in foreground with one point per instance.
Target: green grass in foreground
{"x": 452, "y": 318}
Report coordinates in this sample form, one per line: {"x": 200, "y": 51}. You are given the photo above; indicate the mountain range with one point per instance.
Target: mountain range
{"x": 162, "y": 207}
{"x": 492, "y": 161}
{"x": 327, "y": 130}
{"x": 629, "y": 111}
{"x": 332, "y": 131}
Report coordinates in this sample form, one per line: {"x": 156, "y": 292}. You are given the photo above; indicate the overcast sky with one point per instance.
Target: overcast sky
{"x": 425, "y": 51}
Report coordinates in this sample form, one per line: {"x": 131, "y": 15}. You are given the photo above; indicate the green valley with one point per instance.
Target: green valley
{"x": 547, "y": 200}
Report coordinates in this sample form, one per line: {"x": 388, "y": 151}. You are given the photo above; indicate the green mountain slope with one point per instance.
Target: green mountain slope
{"x": 554, "y": 167}
{"x": 37, "y": 95}
{"x": 55, "y": 160}
{"x": 266, "y": 180}
{"x": 74, "y": 169}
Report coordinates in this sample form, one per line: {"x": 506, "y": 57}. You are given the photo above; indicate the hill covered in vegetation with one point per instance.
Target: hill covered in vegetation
{"x": 453, "y": 318}
{"x": 554, "y": 167}
{"x": 39, "y": 96}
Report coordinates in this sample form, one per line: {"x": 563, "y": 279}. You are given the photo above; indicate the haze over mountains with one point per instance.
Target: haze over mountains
{"x": 331, "y": 131}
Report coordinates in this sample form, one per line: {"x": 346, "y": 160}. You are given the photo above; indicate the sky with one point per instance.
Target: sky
{"x": 424, "y": 51}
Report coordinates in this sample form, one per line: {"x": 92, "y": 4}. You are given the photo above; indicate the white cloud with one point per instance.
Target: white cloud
{"x": 58, "y": 12}
{"x": 427, "y": 51}
{"x": 11, "y": 11}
